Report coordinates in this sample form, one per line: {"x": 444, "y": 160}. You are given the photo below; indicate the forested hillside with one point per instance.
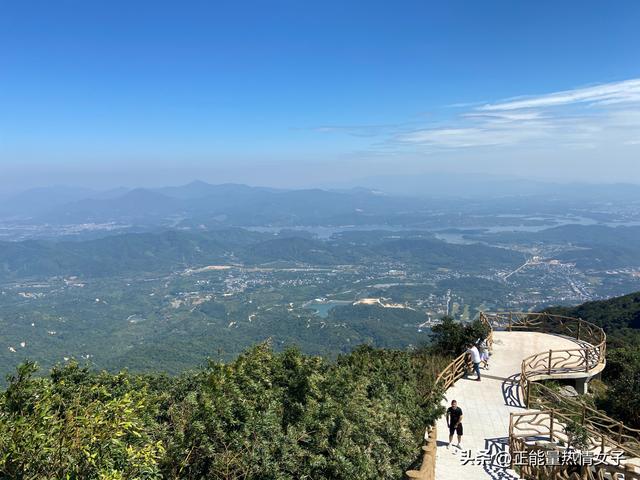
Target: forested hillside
{"x": 265, "y": 415}
{"x": 613, "y": 314}
{"x": 143, "y": 253}
{"x": 620, "y": 318}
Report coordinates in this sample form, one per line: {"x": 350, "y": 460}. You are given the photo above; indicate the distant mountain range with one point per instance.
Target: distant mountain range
{"x": 200, "y": 204}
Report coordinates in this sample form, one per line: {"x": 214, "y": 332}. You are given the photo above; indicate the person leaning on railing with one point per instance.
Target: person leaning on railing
{"x": 475, "y": 359}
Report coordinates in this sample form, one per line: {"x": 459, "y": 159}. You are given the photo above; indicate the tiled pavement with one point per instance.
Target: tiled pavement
{"x": 486, "y": 406}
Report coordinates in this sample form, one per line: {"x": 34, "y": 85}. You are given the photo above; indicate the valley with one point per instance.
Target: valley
{"x": 167, "y": 300}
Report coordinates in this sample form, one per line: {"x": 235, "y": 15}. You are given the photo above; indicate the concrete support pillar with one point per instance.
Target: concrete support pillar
{"x": 582, "y": 385}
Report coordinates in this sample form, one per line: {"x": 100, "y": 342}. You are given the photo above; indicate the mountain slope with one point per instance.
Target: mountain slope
{"x": 612, "y": 314}
{"x": 136, "y": 252}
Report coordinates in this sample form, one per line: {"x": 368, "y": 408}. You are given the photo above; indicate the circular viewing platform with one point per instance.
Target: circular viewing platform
{"x": 510, "y": 410}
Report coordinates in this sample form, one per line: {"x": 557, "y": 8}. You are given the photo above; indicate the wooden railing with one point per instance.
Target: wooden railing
{"x": 557, "y": 411}
{"x": 428, "y": 465}
{"x": 619, "y": 434}
{"x": 535, "y": 431}
{"x": 596, "y": 471}
{"x": 585, "y": 360}
{"x": 461, "y": 364}
{"x": 455, "y": 370}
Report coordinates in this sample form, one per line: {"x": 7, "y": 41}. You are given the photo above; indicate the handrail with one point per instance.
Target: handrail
{"x": 455, "y": 370}
{"x": 584, "y": 360}
{"x": 526, "y": 429}
{"x": 590, "y": 357}
{"x": 602, "y": 430}
{"x": 459, "y": 365}
{"x": 606, "y": 430}
{"x": 547, "y": 398}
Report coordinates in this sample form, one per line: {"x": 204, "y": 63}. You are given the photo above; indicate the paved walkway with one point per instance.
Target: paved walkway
{"x": 486, "y": 406}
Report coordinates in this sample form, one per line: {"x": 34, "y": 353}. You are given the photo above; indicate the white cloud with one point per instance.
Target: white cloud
{"x": 507, "y": 116}
{"x": 607, "y": 114}
{"x": 627, "y": 91}
{"x": 483, "y": 135}
{"x": 588, "y": 134}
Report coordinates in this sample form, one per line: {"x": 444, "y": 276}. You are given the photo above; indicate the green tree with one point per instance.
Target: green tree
{"x": 48, "y": 430}
{"x": 450, "y": 337}
{"x": 265, "y": 415}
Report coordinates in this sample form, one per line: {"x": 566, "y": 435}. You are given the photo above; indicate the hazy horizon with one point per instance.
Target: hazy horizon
{"x": 290, "y": 95}
{"x": 373, "y": 183}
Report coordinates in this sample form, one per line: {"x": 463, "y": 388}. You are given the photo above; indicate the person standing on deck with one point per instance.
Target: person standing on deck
{"x": 454, "y": 422}
{"x": 483, "y": 347}
{"x": 475, "y": 359}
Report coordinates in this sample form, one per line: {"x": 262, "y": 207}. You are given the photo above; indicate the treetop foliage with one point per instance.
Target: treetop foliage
{"x": 451, "y": 337}
{"x": 265, "y": 415}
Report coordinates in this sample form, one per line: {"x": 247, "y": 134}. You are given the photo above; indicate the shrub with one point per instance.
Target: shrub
{"x": 450, "y": 337}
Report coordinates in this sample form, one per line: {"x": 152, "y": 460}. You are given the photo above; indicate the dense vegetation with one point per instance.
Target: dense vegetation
{"x": 148, "y": 302}
{"x": 144, "y": 301}
{"x": 450, "y": 337}
{"x": 265, "y": 415}
{"x": 594, "y": 246}
{"x": 620, "y": 318}
{"x": 140, "y": 253}
{"x": 615, "y": 315}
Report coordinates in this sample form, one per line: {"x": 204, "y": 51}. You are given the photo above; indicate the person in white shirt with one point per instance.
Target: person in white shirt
{"x": 483, "y": 347}
{"x": 475, "y": 359}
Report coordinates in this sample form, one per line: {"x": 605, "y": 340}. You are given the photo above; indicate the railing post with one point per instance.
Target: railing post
{"x": 551, "y": 427}
{"x": 510, "y": 321}
{"x": 510, "y": 424}
{"x": 586, "y": 360}
{"x": 549, "y": 364}
{"x": 620, "y": 427}
{"x": 511, "y": 440}
{"x": 579, "y": 325}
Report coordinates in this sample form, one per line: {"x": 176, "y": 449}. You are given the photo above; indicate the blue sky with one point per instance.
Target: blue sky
{"x": 295, "y": 93}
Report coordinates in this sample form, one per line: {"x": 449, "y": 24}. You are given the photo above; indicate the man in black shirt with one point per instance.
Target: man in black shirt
{"x": 454, "y": 422}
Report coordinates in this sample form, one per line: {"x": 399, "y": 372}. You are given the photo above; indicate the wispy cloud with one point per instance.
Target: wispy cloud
{"x": 606, "y": 94}
{"x": 579, "y": 118}
{"x": 368, "y": 130}
{"x": 358, "y": 130}
{"x": 588, "y": 118}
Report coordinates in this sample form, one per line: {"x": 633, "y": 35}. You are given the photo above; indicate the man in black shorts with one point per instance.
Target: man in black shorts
{"x": 454, "y": 422}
